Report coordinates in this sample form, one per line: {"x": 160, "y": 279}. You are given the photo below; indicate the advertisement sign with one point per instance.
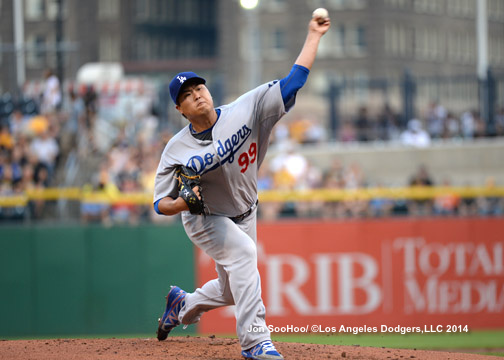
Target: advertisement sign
{"x": 376, "y": 275}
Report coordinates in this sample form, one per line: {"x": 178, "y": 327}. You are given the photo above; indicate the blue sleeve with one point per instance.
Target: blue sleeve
{"x": 290, "y": 84}
{"x": 156, "y": 207}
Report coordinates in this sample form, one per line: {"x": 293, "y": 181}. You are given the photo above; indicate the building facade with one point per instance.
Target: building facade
{"x": 370, "y": 46}
{"x": 146, "y": 36}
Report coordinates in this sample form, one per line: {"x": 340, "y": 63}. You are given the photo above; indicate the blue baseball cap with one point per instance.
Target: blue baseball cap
{"x": 180, "y": 80}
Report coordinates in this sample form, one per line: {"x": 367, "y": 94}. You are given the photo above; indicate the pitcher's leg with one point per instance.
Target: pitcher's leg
{"x": 213, "y": 294}
{"x": 245, "y": 283}
{"x": 236, "y": 252}
{"x": 250, "y": 312}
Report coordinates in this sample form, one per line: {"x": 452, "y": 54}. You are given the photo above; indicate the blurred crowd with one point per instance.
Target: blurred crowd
{"x": 40, "y": 134}
{"x": 436, "y": 122}
{"x": 292, "y": 171}
{"x": 30, "y": 148}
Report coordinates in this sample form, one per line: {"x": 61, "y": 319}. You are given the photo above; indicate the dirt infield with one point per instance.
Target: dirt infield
{"x": 200, "y": 348}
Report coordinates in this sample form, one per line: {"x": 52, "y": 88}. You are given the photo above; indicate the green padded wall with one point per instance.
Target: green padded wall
{"x": 57, "y": 281}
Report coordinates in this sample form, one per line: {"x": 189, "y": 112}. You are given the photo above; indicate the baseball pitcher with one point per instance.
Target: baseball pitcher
{"x": 208, "y": 173}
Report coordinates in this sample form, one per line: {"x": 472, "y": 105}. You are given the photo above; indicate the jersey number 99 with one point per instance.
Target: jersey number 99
{"x": 248, "y": 157}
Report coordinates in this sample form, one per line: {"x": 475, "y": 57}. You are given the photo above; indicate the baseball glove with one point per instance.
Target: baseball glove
{"x": 187, "y": 180}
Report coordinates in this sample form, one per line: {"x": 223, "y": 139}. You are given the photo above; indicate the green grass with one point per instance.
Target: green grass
{"x": 487, "y": 342}
{"x": 471, "y": 340}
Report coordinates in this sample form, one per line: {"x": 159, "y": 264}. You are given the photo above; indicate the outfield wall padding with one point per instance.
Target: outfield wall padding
{"x": 428, "y": 274}
{"x": 89, "y": 280}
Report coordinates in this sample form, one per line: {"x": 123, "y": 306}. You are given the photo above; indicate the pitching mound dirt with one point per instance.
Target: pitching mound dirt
{"x": 200, "y": 348}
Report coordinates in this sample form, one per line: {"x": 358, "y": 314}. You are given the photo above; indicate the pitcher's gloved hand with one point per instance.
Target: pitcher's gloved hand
{"x": 187, "y": 181}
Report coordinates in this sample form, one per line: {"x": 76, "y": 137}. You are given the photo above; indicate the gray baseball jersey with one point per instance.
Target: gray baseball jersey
{"x": 227, "y": 164}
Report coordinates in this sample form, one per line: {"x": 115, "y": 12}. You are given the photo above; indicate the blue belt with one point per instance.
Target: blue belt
{"x": 239, "y": 218}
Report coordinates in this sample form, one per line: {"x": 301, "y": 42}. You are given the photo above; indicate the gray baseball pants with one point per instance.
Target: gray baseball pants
{"x": 233, "y": 247}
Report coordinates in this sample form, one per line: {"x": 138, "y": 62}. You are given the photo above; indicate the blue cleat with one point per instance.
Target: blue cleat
{"x": 174, "y": 302}
{"x": 262, "y": 351}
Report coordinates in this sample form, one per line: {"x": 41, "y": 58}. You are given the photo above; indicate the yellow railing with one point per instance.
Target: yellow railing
{"x": 113, "y": 197}
{"x": 374, "y": 193}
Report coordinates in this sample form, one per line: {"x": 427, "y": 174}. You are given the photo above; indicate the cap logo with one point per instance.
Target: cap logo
{"x": 181, "y": 79}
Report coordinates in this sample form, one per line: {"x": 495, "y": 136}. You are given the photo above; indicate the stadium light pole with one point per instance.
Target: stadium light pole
{"x": 482, "y": 35}
{"x": 59, "y": 42}
{"x": 482, "y": 63}
{"x": 253, "y": 43}
{"x": 19, "y": 43}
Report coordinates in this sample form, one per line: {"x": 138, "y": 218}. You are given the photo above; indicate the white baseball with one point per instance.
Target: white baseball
{"x": 320, "y": 14}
